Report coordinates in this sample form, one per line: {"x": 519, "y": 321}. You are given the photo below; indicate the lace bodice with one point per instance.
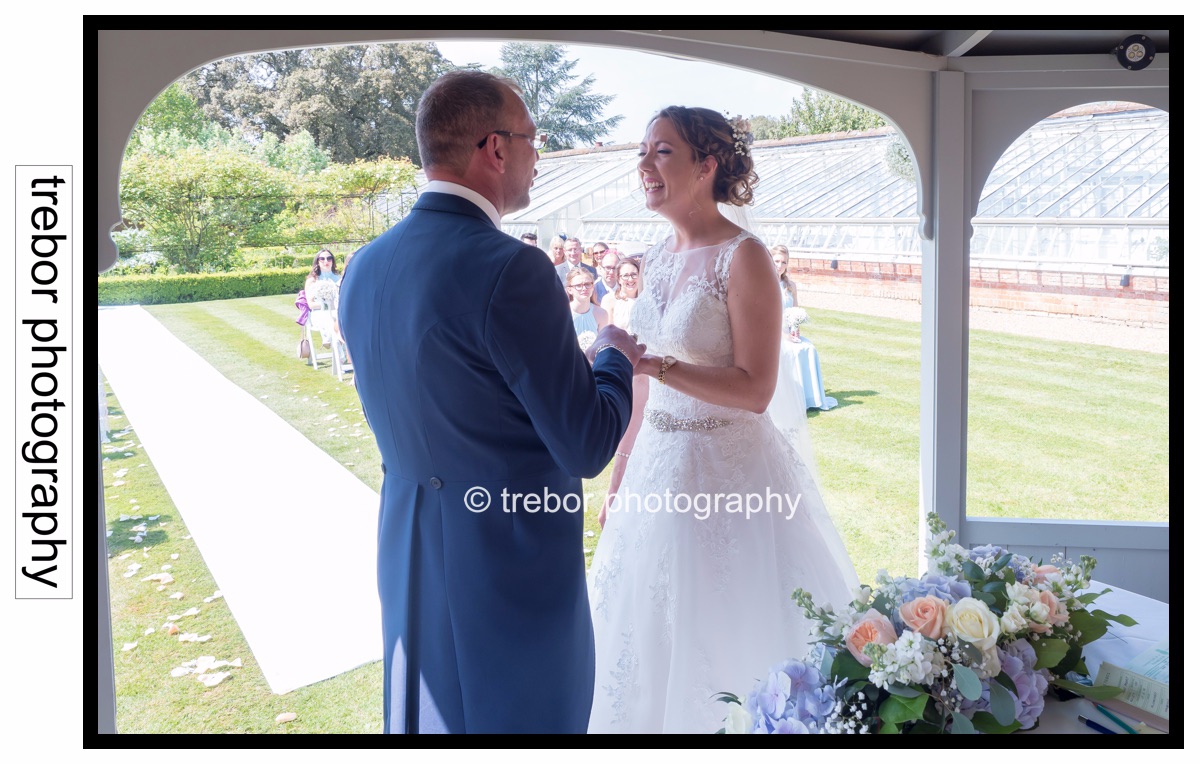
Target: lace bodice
{"x": 683, "y": 312}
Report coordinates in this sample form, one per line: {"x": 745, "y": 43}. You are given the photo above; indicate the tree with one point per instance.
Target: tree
{"x": 356, "y": 101}
{"x": 174, "y": 110}
{"x": 570, "y": 113}
{"x": 198, "y": 205}
{"x": 816, "y": 113}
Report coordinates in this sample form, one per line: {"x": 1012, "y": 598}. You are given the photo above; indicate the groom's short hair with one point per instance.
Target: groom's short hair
{"x": 456, "y": 111}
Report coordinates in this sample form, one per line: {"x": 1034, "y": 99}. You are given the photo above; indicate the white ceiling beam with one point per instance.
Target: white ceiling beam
{"x": 955, "y": 42}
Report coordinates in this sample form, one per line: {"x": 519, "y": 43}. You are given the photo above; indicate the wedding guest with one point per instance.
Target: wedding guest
{"x": 587, "y": 316}
{"x": 558, "y": 255}
{"x": 597, "y": 252}
{"x": 607, "y": 282}
{"x": 573, "y": 251}
{"x": 787, "y": 287}
{"x": 619, "y": 305}
{"x": 530, "y": 239}
{"x": 321, "y": 289}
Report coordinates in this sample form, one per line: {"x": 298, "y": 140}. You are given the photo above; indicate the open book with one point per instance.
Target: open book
{"x": 1145, "y": 685}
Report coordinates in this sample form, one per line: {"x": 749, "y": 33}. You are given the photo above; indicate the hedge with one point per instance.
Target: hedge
{"x": 197, "y": 287}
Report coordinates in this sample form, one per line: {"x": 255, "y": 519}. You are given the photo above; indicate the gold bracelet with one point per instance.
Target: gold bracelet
{"x": 667, "y": 362}
{"x": 608, "y": 345}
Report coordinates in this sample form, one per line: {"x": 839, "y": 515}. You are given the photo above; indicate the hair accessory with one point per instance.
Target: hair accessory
{"x": 742, "y": 137}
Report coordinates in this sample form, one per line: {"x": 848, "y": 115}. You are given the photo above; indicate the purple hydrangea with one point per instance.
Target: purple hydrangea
{"x": 1018, "y": 563}
{"x": 1017, "y": 660}
{"x": 943, "y": 587}
{"x": 794, "y": 698}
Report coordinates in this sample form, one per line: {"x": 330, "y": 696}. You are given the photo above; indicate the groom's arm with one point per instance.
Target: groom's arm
{"x": 579, "y": 411}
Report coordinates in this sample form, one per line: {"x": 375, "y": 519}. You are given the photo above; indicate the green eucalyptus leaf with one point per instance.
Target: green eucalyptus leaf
{"x": 961, "y": 725}
{"x": 1050, "y": 652}
{"x": 968, "y": 683}
{"x": 1005, "y": 681}
{"x": 1002, "y": 562}
{"x": 889, "y": 729}
{"x": 972, "y": 571}
{"x": 971, "y": 651}
{"x": 1004, "y": 707}
{"x": 994, "y": 586}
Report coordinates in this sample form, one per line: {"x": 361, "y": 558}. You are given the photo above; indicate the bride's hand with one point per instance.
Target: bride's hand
{"x": 648, "y": 365}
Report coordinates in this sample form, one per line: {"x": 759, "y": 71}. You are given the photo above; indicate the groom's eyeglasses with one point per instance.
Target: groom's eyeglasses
{"x": 538, "y": 141}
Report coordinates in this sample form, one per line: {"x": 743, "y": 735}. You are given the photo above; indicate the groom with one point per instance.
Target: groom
{"x": 486, "y": 414}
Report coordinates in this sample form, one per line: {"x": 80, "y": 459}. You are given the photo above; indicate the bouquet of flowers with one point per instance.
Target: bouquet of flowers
{"x": 792, "y": 319}
{"x": 326, "y": 295}
{"x": 971, "y": 646}
{"x": 586, "y": 340}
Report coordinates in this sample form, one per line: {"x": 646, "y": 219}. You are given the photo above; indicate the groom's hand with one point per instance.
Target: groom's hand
{"x": 618, "y": 339}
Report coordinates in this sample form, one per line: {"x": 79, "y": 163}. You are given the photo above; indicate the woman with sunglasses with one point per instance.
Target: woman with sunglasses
{"x": 321, "y": 290}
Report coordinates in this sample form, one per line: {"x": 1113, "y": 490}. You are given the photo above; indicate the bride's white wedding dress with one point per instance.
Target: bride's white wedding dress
{"x": 686, "y": 605}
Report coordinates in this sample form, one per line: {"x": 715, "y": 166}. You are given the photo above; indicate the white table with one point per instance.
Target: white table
{"x": 1119, "y": 646}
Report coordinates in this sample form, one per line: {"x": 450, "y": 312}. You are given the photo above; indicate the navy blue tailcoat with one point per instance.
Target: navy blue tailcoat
{"x": 470, "y": 376}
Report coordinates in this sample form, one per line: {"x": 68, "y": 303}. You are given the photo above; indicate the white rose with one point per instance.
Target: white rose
{"x": 970, "y": 619}
{"x": 739, "y": 721}
{"x": 1039, "y": 612}
{"x": 1012, "y": 622}
{"x": 1020, "y": 593}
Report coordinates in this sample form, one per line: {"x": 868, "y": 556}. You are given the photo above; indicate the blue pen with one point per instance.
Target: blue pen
{"x": 1098, "y": 727}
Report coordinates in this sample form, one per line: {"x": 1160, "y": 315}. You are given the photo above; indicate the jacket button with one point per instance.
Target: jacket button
{"x": 435, "y": 482}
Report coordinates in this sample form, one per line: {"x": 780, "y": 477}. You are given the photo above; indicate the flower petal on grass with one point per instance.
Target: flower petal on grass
{"x": 180, "y": 671}
{"x": 176, "y": 596}
{"x": 148, "y": 632}
{"x": 284, "y": 718}
{"x": 212, "y": 680}
{"x": 174, "y": 557}
{"x": 128, "y": 646}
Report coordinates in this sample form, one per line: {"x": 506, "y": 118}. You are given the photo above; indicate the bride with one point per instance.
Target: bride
{"x": 717, "y": 520}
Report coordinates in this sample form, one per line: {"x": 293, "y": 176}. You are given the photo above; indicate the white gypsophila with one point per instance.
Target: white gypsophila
{"x": 949, "y": 559}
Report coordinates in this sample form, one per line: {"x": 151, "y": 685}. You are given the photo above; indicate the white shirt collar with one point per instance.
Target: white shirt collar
{"x": 461, "y": 191}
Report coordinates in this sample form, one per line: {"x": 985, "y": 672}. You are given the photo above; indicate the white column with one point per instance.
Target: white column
{"x": 944, "y": 304}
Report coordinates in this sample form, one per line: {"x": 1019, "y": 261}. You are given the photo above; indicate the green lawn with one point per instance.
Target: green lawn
{"x": 1056, "y": 430}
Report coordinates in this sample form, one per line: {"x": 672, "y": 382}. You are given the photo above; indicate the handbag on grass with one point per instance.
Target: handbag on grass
{"x": 303, "y": 351}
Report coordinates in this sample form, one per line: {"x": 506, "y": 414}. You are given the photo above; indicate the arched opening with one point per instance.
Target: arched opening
{"x": 831, "y": 199}
{"x": 1068, "y": 399}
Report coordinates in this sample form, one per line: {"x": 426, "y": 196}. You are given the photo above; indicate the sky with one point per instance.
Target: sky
{"x": 643, "y": 83}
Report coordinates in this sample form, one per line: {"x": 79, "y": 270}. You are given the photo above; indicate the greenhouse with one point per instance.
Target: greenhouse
{"x": 1086, "y": 191}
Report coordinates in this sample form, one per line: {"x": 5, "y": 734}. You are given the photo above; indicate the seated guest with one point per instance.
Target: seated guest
{"x": 530, "y": 239}
{"x": 321, "y": 291}
{"x": 787, "y": 287}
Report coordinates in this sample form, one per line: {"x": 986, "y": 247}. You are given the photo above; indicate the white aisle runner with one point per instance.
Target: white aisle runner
{"x": 287, "y": 531}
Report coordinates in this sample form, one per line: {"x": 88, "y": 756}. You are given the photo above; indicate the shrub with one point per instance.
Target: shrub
{"x": 198, "y": 287}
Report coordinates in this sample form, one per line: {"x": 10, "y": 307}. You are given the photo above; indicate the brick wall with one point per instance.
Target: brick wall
{"x": 1145, "y": 302}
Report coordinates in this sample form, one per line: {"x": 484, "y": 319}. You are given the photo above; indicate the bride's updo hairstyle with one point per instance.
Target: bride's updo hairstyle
{"x": 708, "y": 133}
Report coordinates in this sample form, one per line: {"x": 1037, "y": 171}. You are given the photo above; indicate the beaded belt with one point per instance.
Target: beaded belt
{"x": 664, "y": 422}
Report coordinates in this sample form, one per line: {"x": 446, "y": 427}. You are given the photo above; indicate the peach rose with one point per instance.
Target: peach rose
{"x": 1058, "y": 614}
{"x": 872, "y": 626}
{"x": 926, "y": 616}
{"x": 1043, "y": 572}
